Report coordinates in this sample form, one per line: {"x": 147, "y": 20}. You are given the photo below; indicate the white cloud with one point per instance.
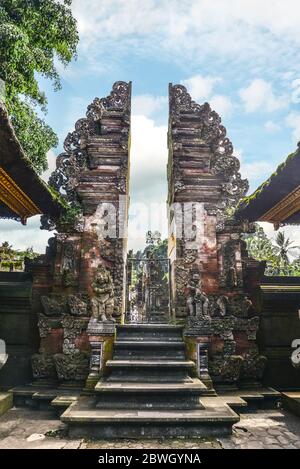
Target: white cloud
{"x": 241, "y": 31}
{"x": 148, "y": 186}
{"x": 51, "y": 158}
{"x": 293, "y": 121}
{"x": 254, "y": 170}
{"x": 148, "y": 157}
{"x": 259, "y": 95}
{"x": 221, "y": 104}
{"x": 271, "y": 127}
{"x": 296, "y": 91}
{"x": 146, "y": 104}
{"x": 22, "y": 237}
{"x": 148, "y": 178}
{"x": 200, "y": 87}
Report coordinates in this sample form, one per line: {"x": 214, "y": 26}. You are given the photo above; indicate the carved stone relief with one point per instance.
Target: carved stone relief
{"x": 43, "y": 366}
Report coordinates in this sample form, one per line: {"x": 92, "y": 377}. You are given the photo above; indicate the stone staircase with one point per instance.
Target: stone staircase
{"x": 159, "y": 317}
{"x": 151, "y": 391}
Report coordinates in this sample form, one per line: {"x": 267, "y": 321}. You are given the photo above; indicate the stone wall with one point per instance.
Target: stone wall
{"x": 91, "y": 239}
{"x": 280, "y": 327}
{"x": 18, "y": 328}
{"x": 215, "y": 286}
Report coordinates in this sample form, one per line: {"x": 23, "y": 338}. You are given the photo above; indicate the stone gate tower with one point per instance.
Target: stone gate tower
{"x": 91, "y": 240}
{"x": 215, "y": 286}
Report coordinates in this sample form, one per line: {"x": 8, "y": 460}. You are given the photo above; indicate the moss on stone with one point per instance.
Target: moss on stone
{"x": 245, "y": 202}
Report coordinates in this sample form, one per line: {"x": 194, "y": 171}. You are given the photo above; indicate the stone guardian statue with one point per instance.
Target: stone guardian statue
{"x": 103, "y": 299}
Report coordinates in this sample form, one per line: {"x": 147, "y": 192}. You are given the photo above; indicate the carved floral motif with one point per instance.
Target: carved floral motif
{"x": 225, "y": 369}
{"x": 43, "y": 366}
{"x": 212, "y": 133}
{"x": 54, "y": 305}
{"x": 77, "y": 305}
{"x": 253, "y": 365}
{"x": 71, "y": 163}
{"x": 73, "y": 367}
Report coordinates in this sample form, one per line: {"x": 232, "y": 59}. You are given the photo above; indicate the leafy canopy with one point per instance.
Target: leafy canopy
{"x": 277, "y": 254}
{"x": 34, "y": 35}
{"x": 13, "y": 259}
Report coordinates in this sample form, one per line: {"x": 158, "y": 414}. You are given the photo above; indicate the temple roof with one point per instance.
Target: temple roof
{"x": 277, "y": 200}
{"x": 23, "y": 193}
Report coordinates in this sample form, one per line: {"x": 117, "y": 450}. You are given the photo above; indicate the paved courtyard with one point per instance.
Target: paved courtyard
{"x": 25, "y": 428}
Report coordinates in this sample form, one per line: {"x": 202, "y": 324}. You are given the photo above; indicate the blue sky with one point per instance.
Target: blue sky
{"x": 242, "y": 56}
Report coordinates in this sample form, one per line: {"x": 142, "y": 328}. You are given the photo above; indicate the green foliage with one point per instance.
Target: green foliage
{"x": 157, "y": 249}
{"x": 34, "y": 134}
{"x": 33, "y": 35}
{"x": 275, "y": 254}
{"x": 14, "y": 259}
{"x": 70, "y": 214}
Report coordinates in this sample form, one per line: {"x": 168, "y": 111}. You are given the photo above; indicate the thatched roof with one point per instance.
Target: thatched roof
{"x": 277, "y": 200}
{"x": 22, "y": 192}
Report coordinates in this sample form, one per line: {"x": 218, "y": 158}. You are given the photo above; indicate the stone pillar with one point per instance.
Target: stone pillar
{"x": 101, "y": 338}
{"x": 87, "y": 273}
{"x": 212, "y": 290}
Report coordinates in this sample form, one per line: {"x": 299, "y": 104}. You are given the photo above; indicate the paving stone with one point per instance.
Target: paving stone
{"x": 252, "y": 445}
{"x": 19, "y": 424}
{"x": 269, "y": 441}
{"x": 274, "y": 432}
{"x": 74, "y": 444}
{"x": 282, "y": 440}
{"x": 291, "y": 436}
{"x": 48, "y": 443}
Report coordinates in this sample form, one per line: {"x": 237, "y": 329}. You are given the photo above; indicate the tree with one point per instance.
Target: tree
{"x": 157, "y": 246}
{"x": 276, "y": 255}
{"x": 13, "y": 258}
{"x": 260, "y": 246}
{"x": 285, "y": 246}
{"x": 33, "y": 35}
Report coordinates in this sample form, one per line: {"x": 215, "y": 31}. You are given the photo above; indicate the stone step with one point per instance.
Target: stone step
{"x": 157, "y": 364}
{"x": 147, "y": 332}
{"x": 150, "y": 371}
{"x": 149, "y": 392}
{"x": 194, "y": 386}
{"x": 158, "y": 317}
{"x": 6, "y": 402}
{"x": 243, "y": 399}
{"x": 61, "y": 403}
{"x": 291, "y": 402}
{"x": 149, "y": 395}
{"x": 115, "y": 400}
{"x": 85, "y": 420}
{"x": 158, "y": 320}
{"x": 141, "y": 350}
{"x": 150, "y": 343}
{"x": 41, "y": 397}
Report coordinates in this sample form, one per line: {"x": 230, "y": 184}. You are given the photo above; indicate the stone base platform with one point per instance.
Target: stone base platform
{"x": 85, "y": 420}
{"x": 44, "y": 398}
{"x": 6, "y": 402}
{"x": 291, "y": 402}
{"x": 246, "y": 399}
